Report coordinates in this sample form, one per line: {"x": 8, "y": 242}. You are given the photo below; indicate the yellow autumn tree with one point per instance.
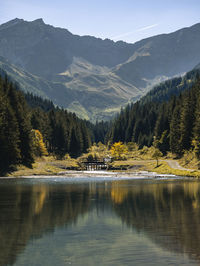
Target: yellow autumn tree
{"x": 38, "y": 143}
{"x": 118, "y": 150}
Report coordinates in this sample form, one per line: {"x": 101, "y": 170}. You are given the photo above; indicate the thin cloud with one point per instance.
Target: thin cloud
{"x": 138, "y": 30}
{"x": 147, "y": 28}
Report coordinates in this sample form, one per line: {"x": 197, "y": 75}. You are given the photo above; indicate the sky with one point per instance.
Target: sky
{"x": 126, "y": 20}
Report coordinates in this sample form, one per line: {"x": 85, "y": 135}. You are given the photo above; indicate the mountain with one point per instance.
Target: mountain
{"x": 197, "y": 66}
{"x": 172, "y": 87}
{"x": 169, "y": 123}
{"x": 88, "y": 75}
{"x": 87, "y": 102}
{"x": 47, "y": 51}
{"x": 163, "y": 55}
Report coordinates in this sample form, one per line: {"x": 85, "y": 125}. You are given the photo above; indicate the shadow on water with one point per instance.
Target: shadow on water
{"x": 168, "y": 213}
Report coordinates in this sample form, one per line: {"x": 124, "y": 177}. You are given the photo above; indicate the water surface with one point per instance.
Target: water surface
{"x": 99, "y": 221}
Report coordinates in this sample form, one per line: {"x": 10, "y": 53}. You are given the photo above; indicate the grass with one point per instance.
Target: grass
{"x": 46, "y": 166}
{"x": 189, "y": 160}
{"x": 142, "y": 160}
{"x": 137, "y": 160}
{"x": 129, "y": 164}
{"x": 164, "y": 168}
{"x": 151, "y": 166}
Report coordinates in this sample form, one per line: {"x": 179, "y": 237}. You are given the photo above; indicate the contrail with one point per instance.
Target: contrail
{"x": 148, "y": 27}
{"x": 131, "y": 32}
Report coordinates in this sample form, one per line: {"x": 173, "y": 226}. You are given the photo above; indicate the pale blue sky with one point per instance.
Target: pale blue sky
{"x": 127, "y": 20}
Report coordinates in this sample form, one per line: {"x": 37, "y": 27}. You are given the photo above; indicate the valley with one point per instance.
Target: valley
{"x": 89, "y": 76}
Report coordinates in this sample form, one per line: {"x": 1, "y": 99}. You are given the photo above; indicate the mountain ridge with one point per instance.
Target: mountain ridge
{"x": 114, "y": 72}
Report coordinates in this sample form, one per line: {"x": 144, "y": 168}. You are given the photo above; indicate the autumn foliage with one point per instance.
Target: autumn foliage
{"x": 38, "y": 143}
{"x": 118, "y": 150}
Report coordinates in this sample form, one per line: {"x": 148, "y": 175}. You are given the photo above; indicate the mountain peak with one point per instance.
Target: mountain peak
{"x": 11, "y": 23}
{"x": 38, "y": 21}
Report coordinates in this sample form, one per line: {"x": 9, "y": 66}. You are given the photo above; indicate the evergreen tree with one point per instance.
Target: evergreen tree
{"x": 175, "y": 133}
{"x": 74, "y": 144}
{"x": 19, "y": 106}
{"x": 186, "y": 122}
{"x": 62, "y": 131}
{"x": 9, "y": 136}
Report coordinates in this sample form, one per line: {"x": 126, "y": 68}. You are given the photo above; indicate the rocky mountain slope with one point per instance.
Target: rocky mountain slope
{"x": 90, "y": 76}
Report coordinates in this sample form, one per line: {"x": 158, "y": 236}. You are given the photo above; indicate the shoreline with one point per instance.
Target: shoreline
{"x": 109, "y": 174}
{"x": 101, "y": 175}
{"x": 126, "y": 168}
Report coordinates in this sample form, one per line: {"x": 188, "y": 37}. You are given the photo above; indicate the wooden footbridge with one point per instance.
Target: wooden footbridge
{"x": 96, "y": 165}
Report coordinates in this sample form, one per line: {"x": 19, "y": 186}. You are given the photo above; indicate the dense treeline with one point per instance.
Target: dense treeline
{"x": 97, "y": 131}
{"x": 100, "y": 131}
{"x": 137, "y": 121}
{"x": 172, "y": 126}
{"x": 15, "y": 128}
{"x": 62, "y": 131}
{"x": 172, "y": 87}
{"x": 35, "y": 101}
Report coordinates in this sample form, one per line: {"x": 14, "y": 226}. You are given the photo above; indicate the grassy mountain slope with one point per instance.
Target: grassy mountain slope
{"x": 103, "y": 98}
{"x": 90, "y": 76}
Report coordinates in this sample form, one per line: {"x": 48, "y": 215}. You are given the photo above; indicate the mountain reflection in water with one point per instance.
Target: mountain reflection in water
{"x": 166, "y": 212}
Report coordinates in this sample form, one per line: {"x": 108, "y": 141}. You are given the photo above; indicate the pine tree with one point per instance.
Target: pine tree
{"x": 175, "y": 132}
{"x": 196, "y": 130}
{"x": 19, "y": 106}
{"x": 186, "y": 123}
{"x": 74, "y": 143}
{"x": 9, "y": 136}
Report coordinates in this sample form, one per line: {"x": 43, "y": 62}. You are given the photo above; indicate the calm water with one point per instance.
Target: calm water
{"x": 93, "y": 222}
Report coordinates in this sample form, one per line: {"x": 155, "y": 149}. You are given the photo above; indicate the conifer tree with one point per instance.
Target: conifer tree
{"x": 175, "y": 132}
{"x": 9, "y": 136}
{"x": 74, "y": 143}
{"x": 19, "y": 106}
{"x": 196, "y": 130}
{"x": 186, "y": 123}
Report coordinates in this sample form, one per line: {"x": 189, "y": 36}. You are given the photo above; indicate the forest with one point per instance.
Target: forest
{"x": 31, "y": 126}
{"x": 168, "y": 117}
{"x": 170, "y": 123}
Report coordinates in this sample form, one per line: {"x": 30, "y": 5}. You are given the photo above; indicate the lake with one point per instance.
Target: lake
{"x": 99, "y": 221}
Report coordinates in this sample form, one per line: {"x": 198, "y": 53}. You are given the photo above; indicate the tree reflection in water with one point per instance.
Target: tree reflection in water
{"x": 167, "y": 212}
